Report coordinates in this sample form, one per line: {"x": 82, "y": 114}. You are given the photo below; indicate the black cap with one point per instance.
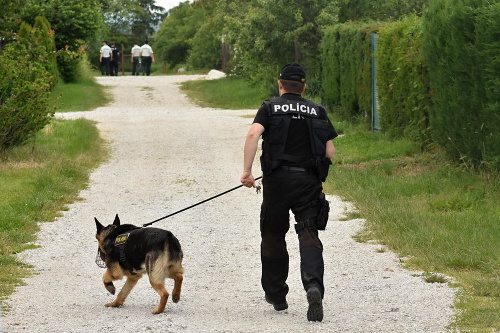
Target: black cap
{"x": 293, "y": 72}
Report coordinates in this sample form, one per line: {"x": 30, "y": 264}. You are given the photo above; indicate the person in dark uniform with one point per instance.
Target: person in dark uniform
{"x": 297, "y": 149}
{"x": 113, "y": 64}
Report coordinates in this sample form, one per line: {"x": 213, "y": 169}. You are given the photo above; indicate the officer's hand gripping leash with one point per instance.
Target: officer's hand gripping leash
{"x": 258, "y": 187}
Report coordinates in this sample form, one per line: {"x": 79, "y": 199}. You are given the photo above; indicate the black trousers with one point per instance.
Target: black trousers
{"x": 104, "y": 66}
{"x": 146, "y": 65}
{"x": 113, "y": 65}
{"x": 136, "y": 66}
{"x": 285, "y": 190}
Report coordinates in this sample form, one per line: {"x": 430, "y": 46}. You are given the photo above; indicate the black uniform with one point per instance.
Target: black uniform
{"x": 113, "y": 65}
{"x": 294, "y": 140}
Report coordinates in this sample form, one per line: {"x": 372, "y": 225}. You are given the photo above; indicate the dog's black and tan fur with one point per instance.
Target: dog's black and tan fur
{"x": 154, "y": 251}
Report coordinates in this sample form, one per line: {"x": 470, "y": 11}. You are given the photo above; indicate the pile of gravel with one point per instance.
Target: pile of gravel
{"x": 168, "y": 154}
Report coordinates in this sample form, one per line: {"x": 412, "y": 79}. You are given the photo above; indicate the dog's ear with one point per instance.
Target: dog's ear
{"x": 117, "y": 220}
{"x": 98, "y": 225}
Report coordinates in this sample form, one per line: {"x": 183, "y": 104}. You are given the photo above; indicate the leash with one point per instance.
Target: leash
{"x": 199, "y": 203}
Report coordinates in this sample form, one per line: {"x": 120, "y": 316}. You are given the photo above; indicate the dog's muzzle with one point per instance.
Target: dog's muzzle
{"x": 99, "y": 259}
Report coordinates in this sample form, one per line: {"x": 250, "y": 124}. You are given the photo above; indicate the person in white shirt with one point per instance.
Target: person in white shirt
{"x": 147, "y": 58}
{"x": 135, "y": 56}
{"x": 105, "y": 57}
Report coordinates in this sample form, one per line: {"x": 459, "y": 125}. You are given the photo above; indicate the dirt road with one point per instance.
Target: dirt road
{"x": 166, "y": 155}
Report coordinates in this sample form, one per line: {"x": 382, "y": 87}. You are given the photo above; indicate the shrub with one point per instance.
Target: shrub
{"x": 403, "y": 80}
{"x": 25, "y": 82}
{"x": 68, "y": 64}
{"x": 461, "y": 50}
{"x": 346, "y": 68}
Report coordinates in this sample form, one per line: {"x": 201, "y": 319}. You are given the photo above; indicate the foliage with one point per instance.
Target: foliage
{"x": 265, "y": 35}
{"x": 25, "y": 82}
{"x": 37, "y": 183}
{"x": 461, "y": 50}
{"x": 383, "y": 10}
{"x": 346, "y": 68}
{"x": 403, "y": 80}
{"x": 205, "y": 47}
{"x": 172, "y": 41}
{"x": 9, "y": 19}
{"x": 68, "y": 64}
{"x": 75, "y": 22}
{"x": 439, "y": 217}
{"x": 145, "y": 16}
{"x": 230, "y": 93}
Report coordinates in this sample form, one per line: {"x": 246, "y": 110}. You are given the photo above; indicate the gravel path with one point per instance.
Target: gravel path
{"x": 166, "y": 155}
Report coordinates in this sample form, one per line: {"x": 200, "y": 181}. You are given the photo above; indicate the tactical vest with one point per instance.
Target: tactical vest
{"x": 280, "y": 111}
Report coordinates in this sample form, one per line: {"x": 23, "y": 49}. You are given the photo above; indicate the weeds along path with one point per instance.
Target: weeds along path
{"x": 167, "y": 154}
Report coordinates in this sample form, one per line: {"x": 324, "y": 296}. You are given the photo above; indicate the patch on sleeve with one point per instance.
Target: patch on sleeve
{"x": 121, "y": 239}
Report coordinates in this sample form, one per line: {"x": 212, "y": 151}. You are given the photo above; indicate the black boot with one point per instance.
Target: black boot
{"x": 274, "y": 275}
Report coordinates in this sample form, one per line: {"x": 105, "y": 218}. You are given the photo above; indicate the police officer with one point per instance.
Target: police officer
{"x": 105, "y": 56}
{"x": 135, "y": 55}
{"x": 296, "y": 153}
{"x": 113, "y": 64}
{"x": 147, "y": 58}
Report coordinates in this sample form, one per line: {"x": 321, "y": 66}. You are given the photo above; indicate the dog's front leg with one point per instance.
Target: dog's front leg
{"x": 108, "y": 279}
{"x": 122, "y": 295}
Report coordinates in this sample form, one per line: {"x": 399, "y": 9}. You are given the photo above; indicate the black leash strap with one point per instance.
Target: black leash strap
{"x": 196, "y": 204}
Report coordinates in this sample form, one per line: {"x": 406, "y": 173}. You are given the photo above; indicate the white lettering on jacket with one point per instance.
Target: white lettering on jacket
{"x": 295, "y": 108}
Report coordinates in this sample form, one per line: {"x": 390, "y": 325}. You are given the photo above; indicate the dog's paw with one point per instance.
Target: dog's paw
{"x": 176, "y": 298}
{"x": 157, "y": 311}
{"x": 113, "y": 305}
{"x": 110, "y": 287}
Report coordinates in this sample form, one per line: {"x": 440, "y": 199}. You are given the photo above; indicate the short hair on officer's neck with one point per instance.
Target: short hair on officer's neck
{"x": 294, "y": 87}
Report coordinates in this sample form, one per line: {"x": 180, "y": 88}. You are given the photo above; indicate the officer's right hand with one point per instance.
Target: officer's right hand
{"x": 247, "y": 179}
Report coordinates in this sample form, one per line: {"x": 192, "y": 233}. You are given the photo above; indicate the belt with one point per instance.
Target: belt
{"x": 293, "y": 168}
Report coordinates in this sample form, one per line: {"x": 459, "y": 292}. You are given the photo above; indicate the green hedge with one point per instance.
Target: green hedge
{"x": 403, "y": 80}
{"x": 25, "y": 82}
{"x": 461, "y": 50}
{"x": 346, "y": 69}
{"x": 438, "y": 77}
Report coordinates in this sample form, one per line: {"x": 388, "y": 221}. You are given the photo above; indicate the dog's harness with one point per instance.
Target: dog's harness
{"x": 120, "y": 244}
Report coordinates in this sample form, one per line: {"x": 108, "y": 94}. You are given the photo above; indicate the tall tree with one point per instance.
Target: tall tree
{"x": 172, "y": 41}
{"x": 146, "y": 16}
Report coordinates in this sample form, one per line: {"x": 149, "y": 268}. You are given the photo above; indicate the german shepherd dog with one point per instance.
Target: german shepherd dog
{"x": 131, "y": 251}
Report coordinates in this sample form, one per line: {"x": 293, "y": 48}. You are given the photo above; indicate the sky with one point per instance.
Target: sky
{"x": 168, "y": 4}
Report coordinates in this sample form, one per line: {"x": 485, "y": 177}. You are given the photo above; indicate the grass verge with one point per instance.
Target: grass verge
{"x": 37, "y": 182}
{"x": 229, "y": 93}
{"x": 442, "y": 217}
{"x": 83, "y": 95}
{"x": 39, "y": 179}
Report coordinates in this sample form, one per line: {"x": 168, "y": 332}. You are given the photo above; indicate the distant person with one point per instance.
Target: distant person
{"x": 147, "y": 58}
{"x": 113, "y": 64}
{"x": 105, "y": 58}
{"x": 135, "y": 57}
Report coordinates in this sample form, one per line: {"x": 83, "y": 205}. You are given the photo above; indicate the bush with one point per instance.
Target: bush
{"x": 403, "y": 80}
{"x": 461, "y": 50}
{"x": 68, "y": 64}
{"x": 25, "y": 82}
{"x": 346, "y": 68}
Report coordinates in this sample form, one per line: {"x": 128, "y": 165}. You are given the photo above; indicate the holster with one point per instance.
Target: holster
{"x": 321, "y": 220}
{"x": 324, "y": 210}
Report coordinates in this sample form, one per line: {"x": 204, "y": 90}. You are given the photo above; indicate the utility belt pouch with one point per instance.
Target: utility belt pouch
{"x": 324, "y": 210}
